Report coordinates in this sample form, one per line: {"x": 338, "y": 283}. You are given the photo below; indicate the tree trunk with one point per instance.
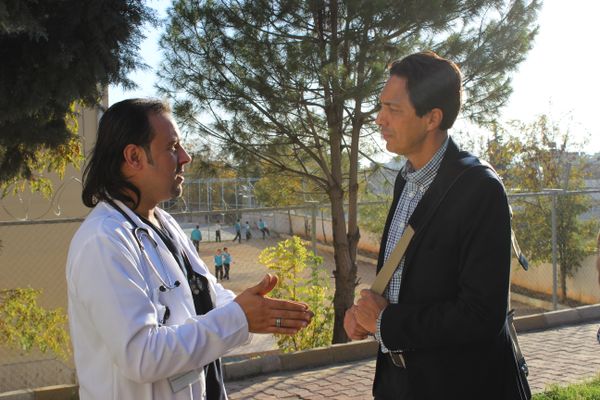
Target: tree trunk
{"x": 345, "y": 272}
{"x": 323, "y": 228}
{"x": 563, "y": 283}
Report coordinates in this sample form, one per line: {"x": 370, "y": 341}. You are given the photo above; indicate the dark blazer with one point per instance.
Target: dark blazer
{"x": 451, "y": 311}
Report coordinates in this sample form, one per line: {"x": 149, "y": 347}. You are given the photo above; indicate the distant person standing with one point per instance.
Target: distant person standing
{"x": 196, "y": 237}
{"x": 598, "y": 268}
{"x": 218, "y": 232}
{"x": 248, "y": 233}
{"x": 219, "y": 265}
{"x": 226, "y": 262}
{"x": 238, "y": 231}
{"x": 598, "y": 255}
{"x": 263, "y": 228}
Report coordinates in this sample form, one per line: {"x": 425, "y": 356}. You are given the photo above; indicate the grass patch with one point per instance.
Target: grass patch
{"x": 589, "y": 390}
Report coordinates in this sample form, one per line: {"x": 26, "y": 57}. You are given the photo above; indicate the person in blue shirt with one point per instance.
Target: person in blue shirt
{"x": 196, "y": 237}
{"x": 226, "y": 262}
{"x": 219, "y": 265}
{"x": 238, "y": 231}
{"x": 248, "y": 233}
{"x": 263, "y": 228}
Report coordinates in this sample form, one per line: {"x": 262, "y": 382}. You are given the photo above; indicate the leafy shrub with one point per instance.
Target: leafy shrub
{"x": 26, "y": 325}
{"x": 289, "y": 260}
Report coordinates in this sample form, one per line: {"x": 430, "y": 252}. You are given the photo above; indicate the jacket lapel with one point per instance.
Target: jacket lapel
{"x": 398, "y": 187}
{"x": 453, "y": 163}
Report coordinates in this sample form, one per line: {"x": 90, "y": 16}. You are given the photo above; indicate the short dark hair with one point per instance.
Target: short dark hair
{"x": 432, "y": 82}
{"x": 126, "y": 122}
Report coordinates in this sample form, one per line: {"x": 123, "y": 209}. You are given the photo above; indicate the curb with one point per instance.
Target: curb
{"x": 334, "y": 354}
{"x": 58, "y": 392}
{"x": 360, "y": 350}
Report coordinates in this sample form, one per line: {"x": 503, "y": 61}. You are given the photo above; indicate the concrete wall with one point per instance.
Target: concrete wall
{"x": 301, "y": 226}
{"x": 582, "y": 287}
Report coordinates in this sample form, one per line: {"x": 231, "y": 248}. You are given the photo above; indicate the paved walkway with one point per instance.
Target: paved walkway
{"x": 561, "y": 355}
{"x": 557, "y": 356}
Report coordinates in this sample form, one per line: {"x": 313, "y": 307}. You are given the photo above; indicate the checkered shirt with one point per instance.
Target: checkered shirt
{"x": 417, "y": 183}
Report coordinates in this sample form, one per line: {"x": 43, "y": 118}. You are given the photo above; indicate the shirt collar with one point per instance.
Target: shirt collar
{"x": 425, "y": 175}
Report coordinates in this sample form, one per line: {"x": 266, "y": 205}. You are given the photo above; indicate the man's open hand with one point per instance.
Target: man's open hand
{"x": 266, "y": 315}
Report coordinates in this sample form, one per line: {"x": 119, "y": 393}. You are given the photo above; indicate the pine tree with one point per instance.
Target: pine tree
{"x": 56, "y": 55}
{"x": 295, "y": 83}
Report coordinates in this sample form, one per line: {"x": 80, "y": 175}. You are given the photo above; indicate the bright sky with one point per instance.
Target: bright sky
{"x": 559, "y": 77}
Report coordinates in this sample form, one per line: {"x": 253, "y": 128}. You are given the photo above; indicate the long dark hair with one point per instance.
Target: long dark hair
{"x": 126, "y": 122}
{"x": 431, "y": 82}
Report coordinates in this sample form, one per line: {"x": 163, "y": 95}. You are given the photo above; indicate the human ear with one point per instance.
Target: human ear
{"x": 434, "y": 118}
{"x": 133, "y": 155}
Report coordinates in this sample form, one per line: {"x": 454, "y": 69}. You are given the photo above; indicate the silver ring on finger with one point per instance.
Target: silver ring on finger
{"x": 278, "y": 322}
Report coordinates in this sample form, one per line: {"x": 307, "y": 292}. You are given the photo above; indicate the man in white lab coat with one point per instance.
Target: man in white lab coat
{"x": 147, "y": 319}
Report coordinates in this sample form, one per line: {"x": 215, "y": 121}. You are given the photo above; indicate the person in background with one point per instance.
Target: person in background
{"x": 238, "y": 231}
{"x": 147, "y": 318}
{"x": 218, "y": 232}
{"x": 226, "y": 262}
{"x": 598, "y": 269}
{"x": 263, "y": 228}
{"x": 598, "y": 255}
{"x": 248, "y": 233}
{"x": 219, "y": 265}
{"x": 196, "y": 237}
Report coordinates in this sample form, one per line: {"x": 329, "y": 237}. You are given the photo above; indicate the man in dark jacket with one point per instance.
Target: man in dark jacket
{"x": 441, "y": 322}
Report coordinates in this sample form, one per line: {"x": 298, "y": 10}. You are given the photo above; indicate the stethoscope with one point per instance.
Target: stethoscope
{"x": 139, "y": 233}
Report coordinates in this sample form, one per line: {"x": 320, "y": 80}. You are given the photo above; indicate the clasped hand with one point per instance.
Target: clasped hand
{"x": 267, "y": 315}
{"x": 361, "y": 319}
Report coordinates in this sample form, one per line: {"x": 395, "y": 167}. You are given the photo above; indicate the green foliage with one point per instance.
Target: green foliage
{"x": 278, "y": 190}
{"x": 282, "y": 70}
{"x": 372, "y": 215}
{"x": 533, "y": 158}
{"x": 289, "y": 261}
{"x": 581, "y": 391}
{"x": 295, "y": 84}
{"x": 58, "y": 55}
{"x": 26, "y": 325}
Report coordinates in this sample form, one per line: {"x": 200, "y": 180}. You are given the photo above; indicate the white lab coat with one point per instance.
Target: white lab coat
{"x": 121, "y": 351}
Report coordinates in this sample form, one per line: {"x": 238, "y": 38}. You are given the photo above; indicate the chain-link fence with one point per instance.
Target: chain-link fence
{"x": 34, "y": 254}
{"x": 557, "y": 230}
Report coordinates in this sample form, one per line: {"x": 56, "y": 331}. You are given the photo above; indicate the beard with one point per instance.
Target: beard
{"x": 177, "y": 190}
